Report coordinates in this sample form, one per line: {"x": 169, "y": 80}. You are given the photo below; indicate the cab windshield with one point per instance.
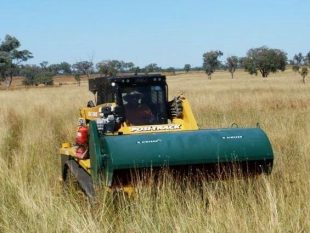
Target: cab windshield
{"x": 144, "y": 105}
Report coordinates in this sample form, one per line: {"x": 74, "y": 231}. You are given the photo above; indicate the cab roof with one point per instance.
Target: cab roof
{"x": 98, "y": 83}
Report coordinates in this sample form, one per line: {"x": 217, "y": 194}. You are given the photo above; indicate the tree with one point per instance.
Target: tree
{"x": 113, "y": 67}
{"x": 308, "y": 58}
{"x": 105, "y": 68}
{"x": 187, "y": 68}
{"x": 54, "y": 68}
{"x": 44, "y": 65}
{"x": 109, "y": 67}
{"x": 304, "y": 73}
{"x": 61, "y": 68}
{"x": 232, "y": 64}
{"x": 171, "y": 70}
{"x": 30, "y": 73}
{"x": 11, "y": 58}
{"x": 211, "y": 62}
{"x": 117, "y": 65}
{"x": 129, "y": 66}
{"x": 83, "y": 67}
{"x": 64, "y": 68}
{"x": 197, "y": 68}
{"x": 136, "y": 70}
{"x": 35, "y": 75}
{"x": 44, "y": 77}
{"x": 77, "y": 78}
{"x": 297, "y": 61}
{"x": 153, "y": 67}
{"x": 300, "y": 64}
{"x": 265, "y": 60}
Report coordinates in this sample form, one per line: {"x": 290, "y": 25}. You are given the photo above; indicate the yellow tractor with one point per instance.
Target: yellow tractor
{"x": 133, "y": 126}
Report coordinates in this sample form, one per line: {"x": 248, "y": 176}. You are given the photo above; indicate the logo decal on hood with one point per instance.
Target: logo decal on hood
{"x": 154, "y": 128}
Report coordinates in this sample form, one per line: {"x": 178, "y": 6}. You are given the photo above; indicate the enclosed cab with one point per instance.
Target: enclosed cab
{"x": 134, "y": 93}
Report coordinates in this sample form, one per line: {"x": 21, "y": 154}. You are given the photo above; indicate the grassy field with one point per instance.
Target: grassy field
{"x": 35, "y": 121}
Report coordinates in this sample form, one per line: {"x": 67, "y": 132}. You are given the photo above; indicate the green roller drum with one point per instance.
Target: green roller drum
{"x": 111, "y": 153}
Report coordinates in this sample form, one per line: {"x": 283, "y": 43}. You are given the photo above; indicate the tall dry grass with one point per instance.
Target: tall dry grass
{"x": 34, "y": 122}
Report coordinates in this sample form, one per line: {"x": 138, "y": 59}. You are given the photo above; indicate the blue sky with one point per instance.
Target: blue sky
{"x": 166, "y": 32}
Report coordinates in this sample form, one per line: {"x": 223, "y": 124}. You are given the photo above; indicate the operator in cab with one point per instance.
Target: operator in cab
{"x": 137, "y": 112}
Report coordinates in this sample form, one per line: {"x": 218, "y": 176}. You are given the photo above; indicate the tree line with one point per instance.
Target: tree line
{"x": 261, "y": 60}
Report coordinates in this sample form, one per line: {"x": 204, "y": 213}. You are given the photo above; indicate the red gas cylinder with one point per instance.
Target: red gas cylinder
{"x": 81, "y": 135}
